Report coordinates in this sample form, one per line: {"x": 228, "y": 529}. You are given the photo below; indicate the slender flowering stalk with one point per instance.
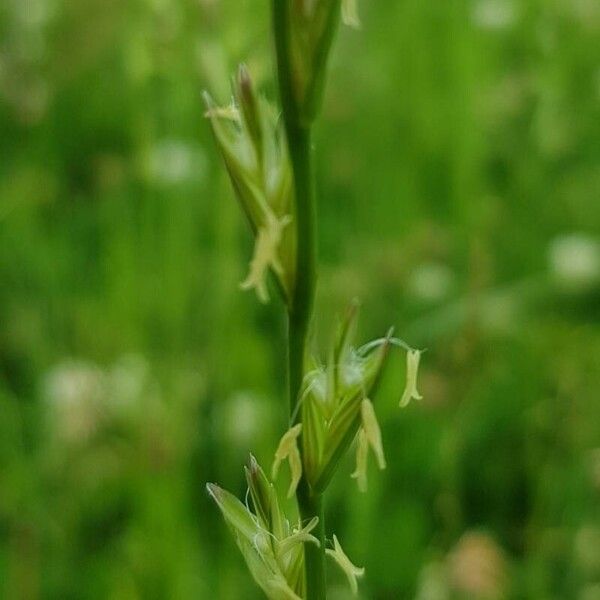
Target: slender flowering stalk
{"x": 293, "y": 85}
{"x": 270, "y": 165}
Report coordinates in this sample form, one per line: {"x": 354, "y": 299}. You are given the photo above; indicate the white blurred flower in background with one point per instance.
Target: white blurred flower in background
{"x": 243, "y": 416}
{"x": 574, "y": 261}
{"x": 174, "y": 161}
{"x": 431, "y": 282}
{"x": 81, "y": 398}
{"x": 475, "y": 568}
{"x": 478, "y": 568}
{"x": 494, "y": 15}
{"x": 74, "y": 392}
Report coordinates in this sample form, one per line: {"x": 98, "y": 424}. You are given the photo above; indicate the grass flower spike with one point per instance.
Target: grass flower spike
{"x": 274, "y": 551}
{"x": 252, "y": 143}
{"x": 335, "y": 403}
{"x": 269, "y": 160}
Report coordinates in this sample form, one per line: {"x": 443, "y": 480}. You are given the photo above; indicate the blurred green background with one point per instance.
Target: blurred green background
{"x": 459, "y": 176}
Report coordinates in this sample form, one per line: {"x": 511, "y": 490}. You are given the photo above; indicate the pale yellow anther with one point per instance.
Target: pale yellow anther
{"x": 369, "y": 434}
{"x": 288, "y": 449}
{"x": 372, "y": 431}
{"x": 265, "y": 256}
{"x": 351, "y": 571}
{"x": 350, "y": 13}
{"x": 362, "y": 452}
{"x": 412, "y": 368}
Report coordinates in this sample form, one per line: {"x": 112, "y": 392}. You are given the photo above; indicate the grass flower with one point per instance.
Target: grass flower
{"x": 274, "y": 551}
{"x": 335, "y": 403}
{"x": 252, "y": 144}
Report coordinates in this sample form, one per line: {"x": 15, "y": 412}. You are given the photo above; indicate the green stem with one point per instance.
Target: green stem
{"x": 301, "y": 308}
{"x": 314, "y": 557}
{"x": 299, "y": 319}
{"x": 301, "y": 305}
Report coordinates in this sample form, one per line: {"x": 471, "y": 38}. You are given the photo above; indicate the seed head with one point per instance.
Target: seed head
{"x": 252, "y": 143}
{"x": 273, "y": 551}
